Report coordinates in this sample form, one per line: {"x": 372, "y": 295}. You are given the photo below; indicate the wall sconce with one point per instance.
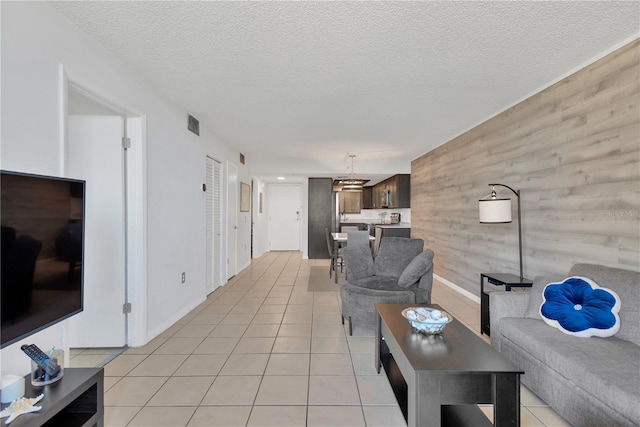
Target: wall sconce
{"x": 496, "y": 210}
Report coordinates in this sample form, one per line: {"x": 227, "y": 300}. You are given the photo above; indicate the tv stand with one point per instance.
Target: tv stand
{"x": 75, "y": 400}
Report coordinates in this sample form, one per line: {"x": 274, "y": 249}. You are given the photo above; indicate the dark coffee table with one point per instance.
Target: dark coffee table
{"x": 438, "y": 380}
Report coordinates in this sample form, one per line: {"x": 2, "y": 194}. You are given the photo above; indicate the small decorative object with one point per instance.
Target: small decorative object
{"x": 428, "y": 321}
{"x": 21, "y": 406}
{"x": 578, "y": 306}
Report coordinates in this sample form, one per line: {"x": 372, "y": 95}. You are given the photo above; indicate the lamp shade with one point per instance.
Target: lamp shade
{"x": 494, "y": 210}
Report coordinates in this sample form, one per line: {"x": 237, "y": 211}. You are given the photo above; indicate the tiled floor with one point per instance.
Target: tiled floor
{"x": 264, "y": 351}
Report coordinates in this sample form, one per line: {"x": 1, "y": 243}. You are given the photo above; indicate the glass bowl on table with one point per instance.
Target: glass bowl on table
{"x": 426, "y": 320}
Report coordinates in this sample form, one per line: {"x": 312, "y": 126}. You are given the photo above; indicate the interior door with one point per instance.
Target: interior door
{"x": 95, "y": 154}
{"x": 285, "y": 210}
{"x": 214, "y": 224}
{"x": 233, "y": 188}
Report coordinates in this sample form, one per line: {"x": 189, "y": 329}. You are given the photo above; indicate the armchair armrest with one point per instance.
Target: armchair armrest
{"x": 505, "y": 304}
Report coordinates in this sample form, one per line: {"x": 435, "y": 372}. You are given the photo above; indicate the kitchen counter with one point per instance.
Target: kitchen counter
{"x": 402, "y": 229}
{"x": 374, "y": 222}
{"x": 400, "y": 225}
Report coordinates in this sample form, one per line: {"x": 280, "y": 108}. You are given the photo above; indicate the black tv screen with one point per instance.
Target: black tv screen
{"x": 42, "y": 252}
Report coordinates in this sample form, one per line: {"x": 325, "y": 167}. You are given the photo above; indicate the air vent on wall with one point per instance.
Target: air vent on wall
{"x": 194, "y": 125}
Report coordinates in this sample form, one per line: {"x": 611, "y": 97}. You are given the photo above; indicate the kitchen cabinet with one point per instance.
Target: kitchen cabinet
{"x": 367, "y": 198}
{"x": 350, "y": 202}
{"x": 394, "y": 193}
{"x": 321, "y": 200}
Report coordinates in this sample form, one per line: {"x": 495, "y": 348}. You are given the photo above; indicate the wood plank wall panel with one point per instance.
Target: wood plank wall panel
{"x": 573, "y": 150}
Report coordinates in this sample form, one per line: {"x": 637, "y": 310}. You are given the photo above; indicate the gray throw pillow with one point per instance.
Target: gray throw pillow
{"x": 418, "y": 266}
{"x": 359, "y": 261}
{"x": 535, "y": 297}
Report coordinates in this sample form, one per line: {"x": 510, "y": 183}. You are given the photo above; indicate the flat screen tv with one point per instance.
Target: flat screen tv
{"x": 42, "y": 221}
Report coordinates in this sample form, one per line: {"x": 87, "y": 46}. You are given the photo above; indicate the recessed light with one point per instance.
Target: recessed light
{"x": 281, "y": 178}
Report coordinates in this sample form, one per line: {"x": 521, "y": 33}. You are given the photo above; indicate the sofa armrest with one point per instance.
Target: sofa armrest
{"x": 505, "y": 304}
{"x": 426, "y": 283}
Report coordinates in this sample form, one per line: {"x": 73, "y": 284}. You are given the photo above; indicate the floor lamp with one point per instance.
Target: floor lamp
{"x": 495, "y": 210}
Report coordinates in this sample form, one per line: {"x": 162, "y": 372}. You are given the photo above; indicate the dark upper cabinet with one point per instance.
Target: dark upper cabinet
{"x": 321, "y": 216}
{"x": 394, "y": 193}
{"x": 401, "y": 191}
{"x": 367, "y": 198}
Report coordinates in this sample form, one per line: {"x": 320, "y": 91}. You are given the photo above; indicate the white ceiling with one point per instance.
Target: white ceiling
{"x": 297, "y": 86}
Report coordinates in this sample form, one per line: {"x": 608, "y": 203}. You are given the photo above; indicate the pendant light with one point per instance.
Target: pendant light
{"x": 351, "y": 183}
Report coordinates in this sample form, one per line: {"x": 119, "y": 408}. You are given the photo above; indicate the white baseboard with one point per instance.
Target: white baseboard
{"x": 457, "y": 288}
{"x": 160, "y": 328}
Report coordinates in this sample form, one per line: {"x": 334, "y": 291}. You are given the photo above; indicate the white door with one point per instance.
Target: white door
{"x": 95, "y": 154}
{"x": 214, "y": 224}
{"x": 285, "y": 211}
{"x": 232, "y": 219}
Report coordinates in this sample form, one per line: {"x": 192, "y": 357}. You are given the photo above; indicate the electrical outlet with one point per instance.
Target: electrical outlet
{"x": 184, "y": 277}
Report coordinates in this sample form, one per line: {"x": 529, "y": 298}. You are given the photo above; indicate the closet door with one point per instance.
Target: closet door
{"x": 214, "y": 224}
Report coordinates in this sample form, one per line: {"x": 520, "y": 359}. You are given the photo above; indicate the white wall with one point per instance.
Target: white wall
{"x": 35, "y": 40}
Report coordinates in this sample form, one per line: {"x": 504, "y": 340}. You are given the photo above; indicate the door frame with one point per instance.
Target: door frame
{"x": 231, "y": 266}
{"x": 135, "y": 192}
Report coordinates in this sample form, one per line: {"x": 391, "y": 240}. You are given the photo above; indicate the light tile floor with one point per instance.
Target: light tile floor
{"x": 264, "y": 351}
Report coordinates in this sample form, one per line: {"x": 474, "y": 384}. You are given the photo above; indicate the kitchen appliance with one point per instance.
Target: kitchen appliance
{"x": 394, "y": 218}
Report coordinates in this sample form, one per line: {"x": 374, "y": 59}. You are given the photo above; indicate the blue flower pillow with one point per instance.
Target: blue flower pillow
{"x": 578, "y": 306}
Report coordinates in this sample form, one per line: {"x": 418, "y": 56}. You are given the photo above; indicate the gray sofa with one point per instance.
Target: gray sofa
{"x": 588, "y": 381}
{"x": 401, "y": 272}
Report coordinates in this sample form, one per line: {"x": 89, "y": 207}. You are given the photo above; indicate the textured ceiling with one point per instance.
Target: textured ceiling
{"x": 296, "y": 86}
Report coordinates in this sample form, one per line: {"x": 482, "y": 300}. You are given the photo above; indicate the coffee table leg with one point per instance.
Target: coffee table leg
{"x": 378, "y": 341}
{"x": 423, "y": 401}
{"x": 506, "y": 410}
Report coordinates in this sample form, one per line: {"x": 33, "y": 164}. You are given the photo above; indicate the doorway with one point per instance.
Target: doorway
{"x": 214, "y": 251}
{"x": 232, "y": 219}
{"x": 97, "y": 133}
{"x": 285, "y": 214}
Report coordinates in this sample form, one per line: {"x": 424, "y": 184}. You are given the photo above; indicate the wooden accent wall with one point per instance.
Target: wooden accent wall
{"x": 573, "y": 150}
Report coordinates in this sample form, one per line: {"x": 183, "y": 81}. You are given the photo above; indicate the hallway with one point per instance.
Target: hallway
{"x": 264, "y": 351}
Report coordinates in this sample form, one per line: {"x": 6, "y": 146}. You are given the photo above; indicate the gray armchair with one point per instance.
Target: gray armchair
{"x": 400, "y": 273}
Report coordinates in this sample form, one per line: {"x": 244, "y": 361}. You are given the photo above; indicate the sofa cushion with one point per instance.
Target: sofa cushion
{"x": 418, "y": 266}
{"x": 607, "y": 368}
{"x": 626, "y": 284}
{"x": 359, "y": 261}
{"x": 394, "y": 254}
{"x": 578, "y": 306}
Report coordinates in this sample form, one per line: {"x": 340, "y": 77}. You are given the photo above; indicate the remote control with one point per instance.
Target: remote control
{"x": 50, "y": 366}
